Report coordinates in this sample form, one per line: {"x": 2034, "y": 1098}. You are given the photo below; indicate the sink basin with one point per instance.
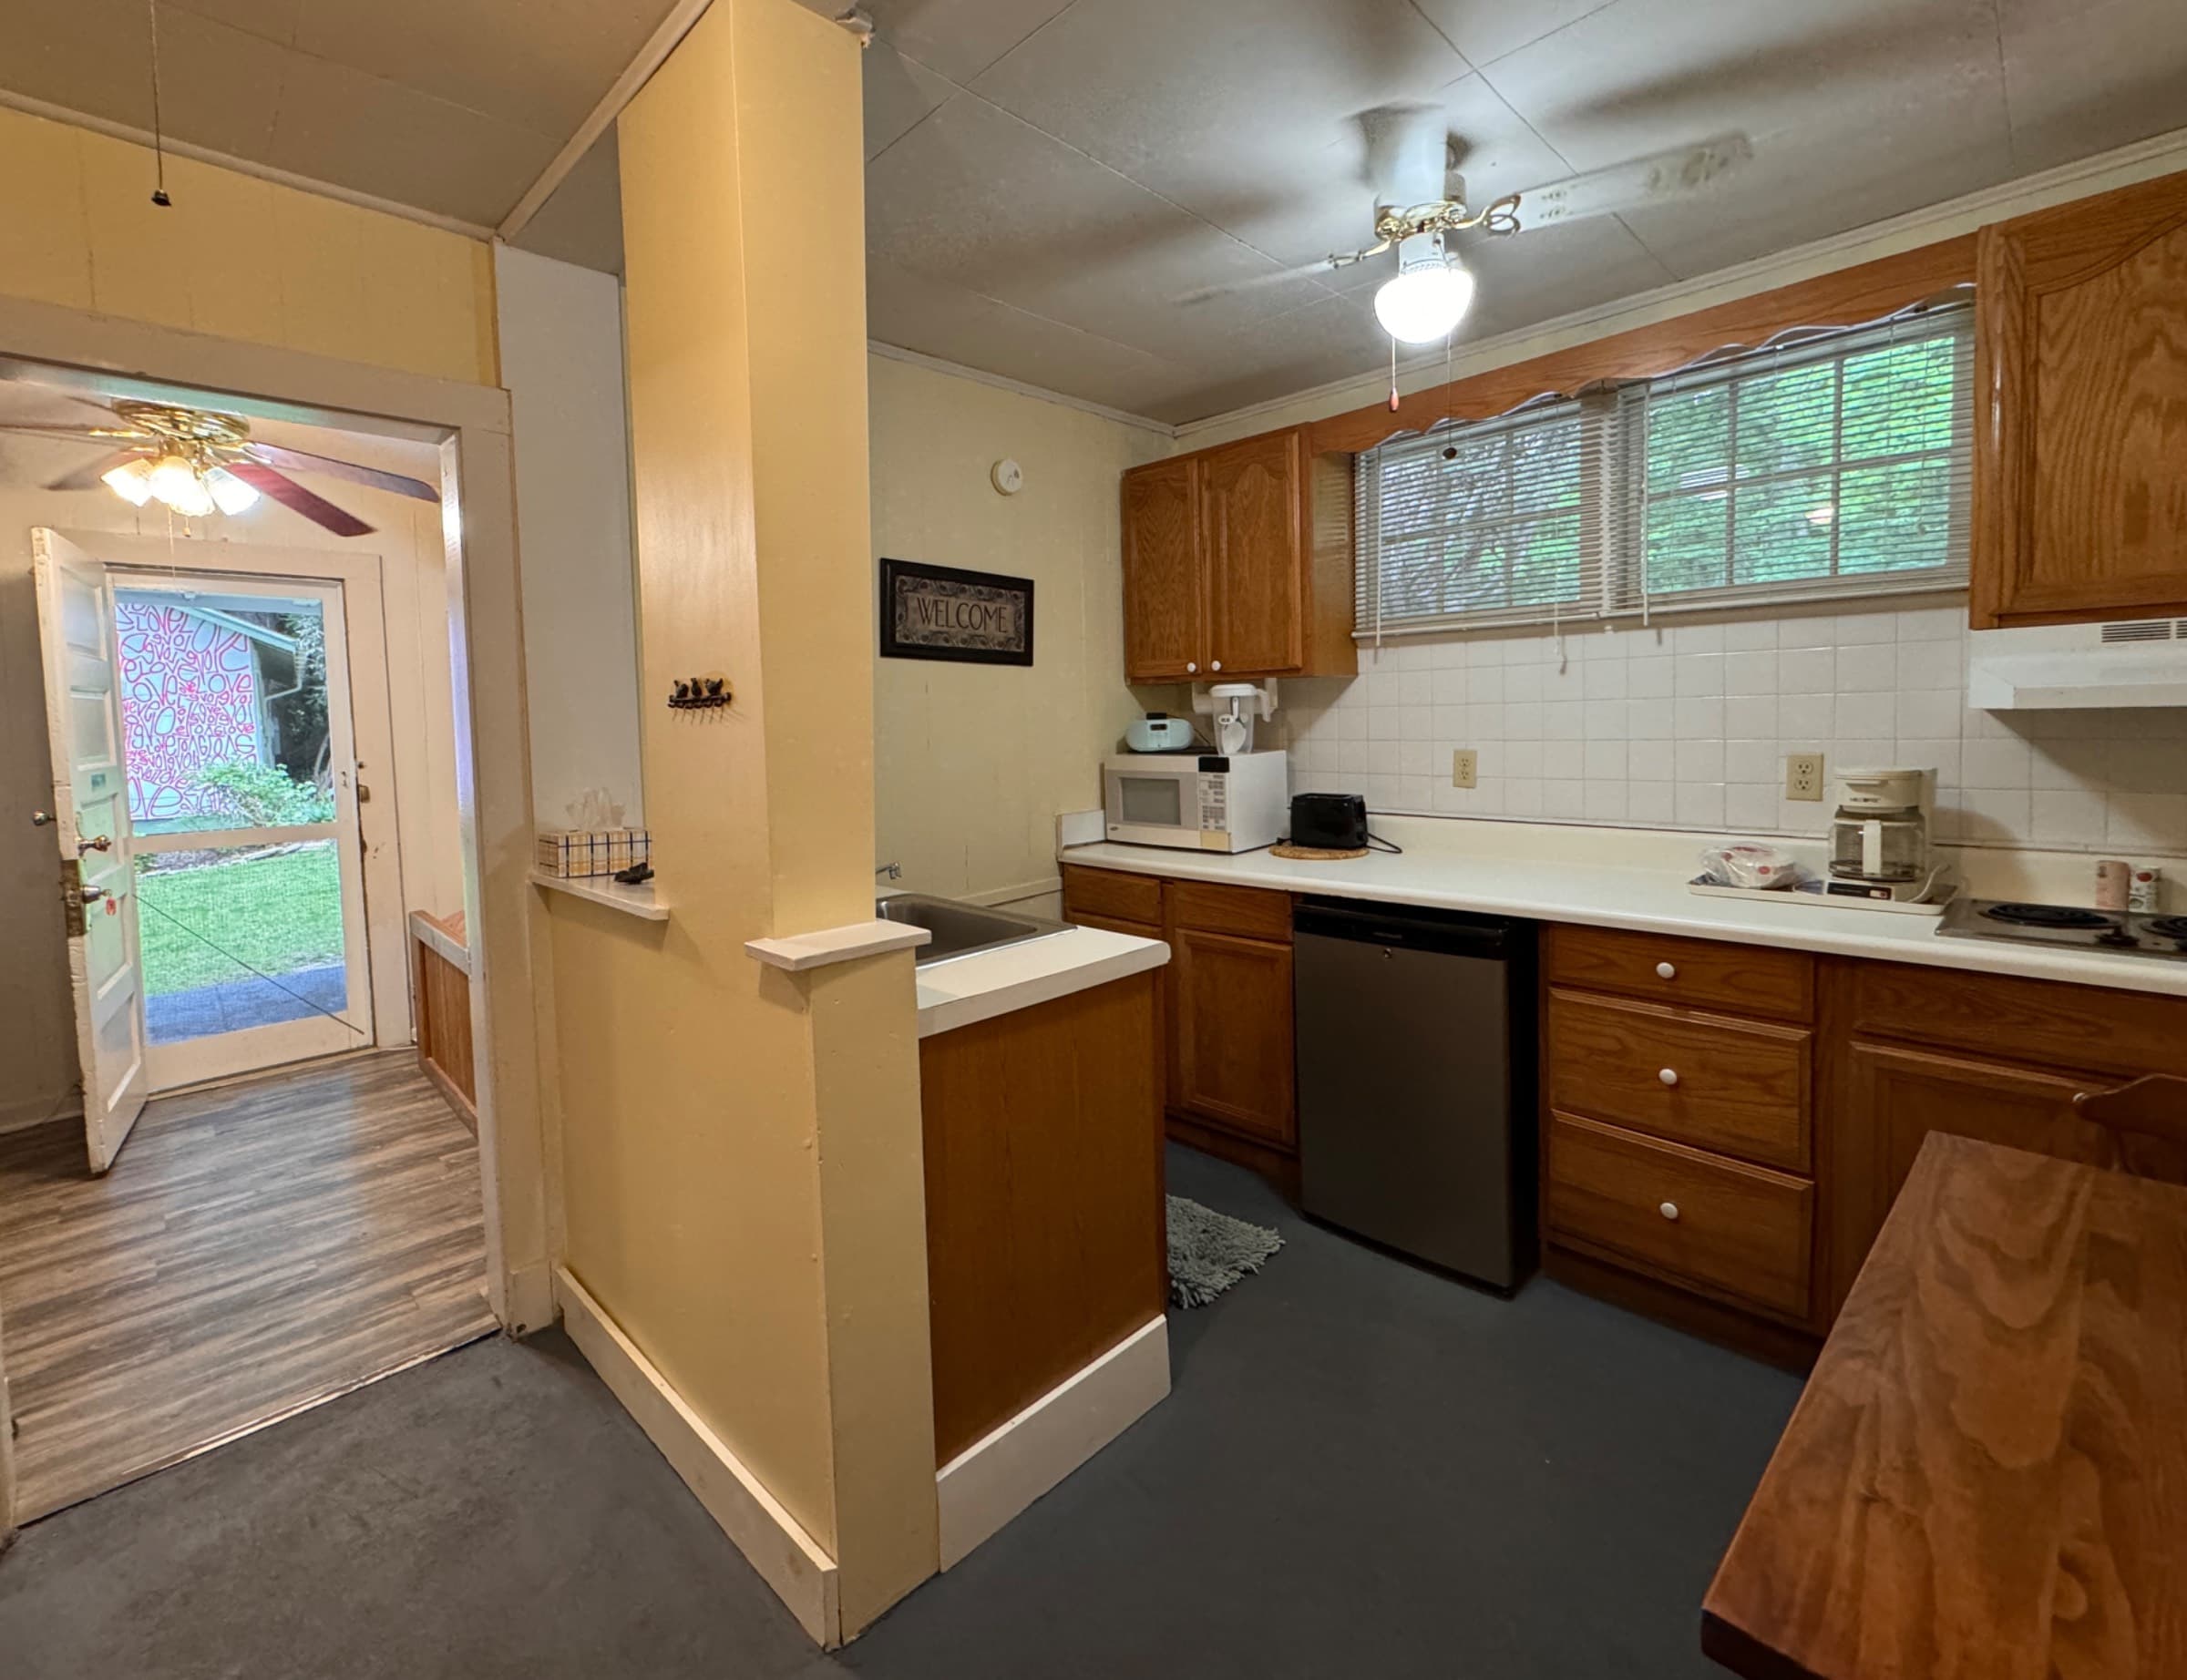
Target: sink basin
{"x": 960, "y": 929}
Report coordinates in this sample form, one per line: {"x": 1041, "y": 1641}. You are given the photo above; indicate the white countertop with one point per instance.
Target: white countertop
{"x": 958, "y": 990}
{"x": 1633, "y": 878}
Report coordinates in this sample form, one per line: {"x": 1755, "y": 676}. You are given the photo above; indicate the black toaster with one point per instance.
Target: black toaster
{"x": 1328, "y": 822}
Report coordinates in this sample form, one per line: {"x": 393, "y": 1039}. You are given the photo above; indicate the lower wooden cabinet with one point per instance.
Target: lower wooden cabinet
{"x": 1231, "y": 1007}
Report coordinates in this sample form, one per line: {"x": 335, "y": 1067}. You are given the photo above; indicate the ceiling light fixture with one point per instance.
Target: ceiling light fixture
{"x": 131, "y": 481}
{"x": 230, "y": 494}
{"x": 1429, "y": 295}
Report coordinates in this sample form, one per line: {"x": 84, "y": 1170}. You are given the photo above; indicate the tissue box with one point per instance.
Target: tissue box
{"x": 593, "y": 851}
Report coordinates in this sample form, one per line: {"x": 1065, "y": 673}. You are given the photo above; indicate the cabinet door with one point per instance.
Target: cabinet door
{"x": 2081, "y": 410}
{"x": 1252, "y": 507}
{"x": 1231, "y": 999}
{"x": 1164, "y": 1018}
{"x": 1890, "y": 1097}
{"x": 1164, "y": 612}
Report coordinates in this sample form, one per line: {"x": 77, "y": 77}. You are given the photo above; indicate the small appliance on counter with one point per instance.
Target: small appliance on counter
{"x": 1234, "y": 706}
{"x": 1879, "y": 837}
{"x": 1158, "y": 732}
{"x": 2071, "y": 926}
{"x": 1328, "y": 822}
{"x": 1207, "y": 801}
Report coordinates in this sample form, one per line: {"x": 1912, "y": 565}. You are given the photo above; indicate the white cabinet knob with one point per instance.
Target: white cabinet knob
{"x": 1191, "y": 666}
{"x": 1215, "y": 664}
{"x": 1669, "y": 1210}
{"x": 1670, "y": 1076}
{"x": 1667, "y": 972}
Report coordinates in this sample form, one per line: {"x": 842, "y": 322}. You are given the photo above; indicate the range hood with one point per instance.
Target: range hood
{"x": 2134, "y": 662}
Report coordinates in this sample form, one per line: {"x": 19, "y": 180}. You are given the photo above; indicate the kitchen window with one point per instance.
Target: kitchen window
{"x": 1830, "y": 464}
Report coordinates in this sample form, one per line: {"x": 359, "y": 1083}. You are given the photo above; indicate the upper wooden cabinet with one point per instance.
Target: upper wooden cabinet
{"x": 1238, "y": 563}
{"x": 2080, "y": 381}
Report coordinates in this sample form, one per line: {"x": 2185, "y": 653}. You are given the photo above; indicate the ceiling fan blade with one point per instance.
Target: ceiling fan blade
{"x": 280, "y": 488}
{"x": 1628, "y": 185}
{"x": 89, "y": 478}
{"x": 30, "y": 428}
{"x": 302, "y": 461}
{"x": 1408, "y": 153}
{"x": 1259, "y": 282}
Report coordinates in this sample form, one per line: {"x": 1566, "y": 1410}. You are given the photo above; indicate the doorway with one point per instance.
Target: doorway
{"x": 240, "y": 755}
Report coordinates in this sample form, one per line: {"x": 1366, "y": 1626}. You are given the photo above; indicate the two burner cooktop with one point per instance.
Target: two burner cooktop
{"x": 2070, "y": 925}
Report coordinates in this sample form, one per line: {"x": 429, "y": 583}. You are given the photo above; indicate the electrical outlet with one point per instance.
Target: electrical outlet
{"x": 1466, "y": 768}
{"x": 1803, "y": 776}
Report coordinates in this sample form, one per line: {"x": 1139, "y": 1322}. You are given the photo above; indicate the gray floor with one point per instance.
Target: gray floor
{"x": 228, "y": 1006}
{"x": 1365, "y": 1469}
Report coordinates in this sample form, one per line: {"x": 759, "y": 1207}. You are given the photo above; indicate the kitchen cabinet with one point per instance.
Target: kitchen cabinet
{"x": 2080, "y": 381}
{"x": 1237, "y": 564}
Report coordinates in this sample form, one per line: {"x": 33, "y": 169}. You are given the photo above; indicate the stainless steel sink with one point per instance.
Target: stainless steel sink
{"x": 960, "y": 929}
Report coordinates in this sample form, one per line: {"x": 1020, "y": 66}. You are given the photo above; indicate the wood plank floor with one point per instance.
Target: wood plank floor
{"x": 255, "y": 1248}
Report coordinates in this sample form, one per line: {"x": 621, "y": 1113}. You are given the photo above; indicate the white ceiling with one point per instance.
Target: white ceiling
{"x": 1047, "y": 178}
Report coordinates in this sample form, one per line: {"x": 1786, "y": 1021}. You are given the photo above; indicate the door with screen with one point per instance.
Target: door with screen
{"x": 235, "y": 706}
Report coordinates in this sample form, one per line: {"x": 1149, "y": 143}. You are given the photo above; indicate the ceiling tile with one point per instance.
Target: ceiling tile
{"x": 1334, "y": 338}
{"x": 1540, "y": 273}
{"x": 959, "y": 37}
{"x": 938, "y": 318}
{"x": 2084, "y": 76}
{"x": 1858, "y": 113}
{"x": 540, "y": 64}
{"x": 355, "y": 130}
{"x": 899, "y": 93}
{"x": 1127, "y": 82}
{"x": 974, "y": 197}
{"x": 1485, "y": 30}
{"x": 581, "y": 221}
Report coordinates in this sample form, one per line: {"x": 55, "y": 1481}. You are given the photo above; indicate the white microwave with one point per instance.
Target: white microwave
{"x": 1209, "y": 802}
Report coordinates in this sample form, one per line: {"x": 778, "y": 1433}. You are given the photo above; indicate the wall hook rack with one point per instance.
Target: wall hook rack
{"x": 699, "y": 693}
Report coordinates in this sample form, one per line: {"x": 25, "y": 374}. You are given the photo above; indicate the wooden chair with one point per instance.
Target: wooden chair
{"x": 2147, "y": 1119}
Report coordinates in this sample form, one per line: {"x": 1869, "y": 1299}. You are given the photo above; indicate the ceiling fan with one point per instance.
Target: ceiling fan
{"x": 197, "y": 461}
{"x": 1421, "y": 202}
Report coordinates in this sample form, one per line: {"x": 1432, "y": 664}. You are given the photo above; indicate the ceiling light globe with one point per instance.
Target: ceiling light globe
{"x": 230, "y": 494}
{"x": 131, "y": 481}
{"x": 175, "y": 481}
{"x": 1425, "y": 301}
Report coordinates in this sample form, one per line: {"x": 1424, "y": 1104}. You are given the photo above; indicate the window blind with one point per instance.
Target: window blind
{"x": 1831, "y": 463}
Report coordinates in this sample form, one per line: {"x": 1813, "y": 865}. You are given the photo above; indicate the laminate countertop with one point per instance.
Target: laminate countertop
{"x": 958, "y": 990}
{"x": 1986, "y": 1474}
{"x": 1638, "y": 879}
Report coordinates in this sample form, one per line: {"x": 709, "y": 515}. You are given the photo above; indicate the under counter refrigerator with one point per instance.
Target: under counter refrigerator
{"x": 1416, "y": 1090}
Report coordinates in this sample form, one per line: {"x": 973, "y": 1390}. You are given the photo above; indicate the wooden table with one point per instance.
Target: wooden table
{"x": 1986, "y": 1476}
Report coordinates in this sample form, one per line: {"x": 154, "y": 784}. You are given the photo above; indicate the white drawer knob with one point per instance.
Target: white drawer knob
{"x": 1667, "y": 972}
{"x": 1670, "y": 1076}
{"x": 1192, "y": 665}
{"x": 1215, "y": 664}
{"x": 1669, "y": 1210}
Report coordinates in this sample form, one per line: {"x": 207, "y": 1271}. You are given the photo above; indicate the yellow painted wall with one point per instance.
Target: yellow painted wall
{"x": 743, "y": 1186}
{"x": 236, "y": 256}
{"x": 973, "y": 761}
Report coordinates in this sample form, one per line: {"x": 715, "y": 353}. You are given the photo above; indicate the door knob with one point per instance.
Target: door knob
{"x": 92, "y": 895}
{"x": 38, "y": 819}
{"x": 103, "y": 844}
{"x": 1670, "y": 1076}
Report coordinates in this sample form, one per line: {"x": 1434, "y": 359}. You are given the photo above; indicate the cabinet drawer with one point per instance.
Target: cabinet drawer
{"x": 2040, "y": 1023}
{"x": 1111, "y": 893}
{"x": 1702, "y": 974}
{"x": 1249, "y": 912}
{"x": 1730, "y": 1230}
{"x": 1741, "y": 1087}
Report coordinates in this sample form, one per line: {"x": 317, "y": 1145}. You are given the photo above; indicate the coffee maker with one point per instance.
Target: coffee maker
{"x": 1879, "y": 837}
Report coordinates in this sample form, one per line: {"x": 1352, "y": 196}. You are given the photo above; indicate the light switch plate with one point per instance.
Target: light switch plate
{"x": 1466, "y": 768}
{"x": 1803, "y": 776}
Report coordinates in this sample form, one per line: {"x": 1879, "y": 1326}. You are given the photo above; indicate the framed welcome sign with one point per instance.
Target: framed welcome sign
{"x": 939, "y": 612}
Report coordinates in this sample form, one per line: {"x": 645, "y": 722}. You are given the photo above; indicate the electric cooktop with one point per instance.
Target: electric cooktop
{"x": 2129, "y": 932}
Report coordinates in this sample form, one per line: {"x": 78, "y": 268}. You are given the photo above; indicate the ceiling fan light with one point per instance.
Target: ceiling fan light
{"x": 1426, "y": 300}
{"x": 175, "y": 481}
{"x": 131, "y": 481}
{"x": 230, "y": 494}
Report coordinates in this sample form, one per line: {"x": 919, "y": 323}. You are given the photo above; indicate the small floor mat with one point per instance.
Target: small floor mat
{"x": 1209, "y": 1252}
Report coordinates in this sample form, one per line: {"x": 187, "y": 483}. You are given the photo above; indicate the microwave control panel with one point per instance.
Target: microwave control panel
{"x": 1215, "y": 809}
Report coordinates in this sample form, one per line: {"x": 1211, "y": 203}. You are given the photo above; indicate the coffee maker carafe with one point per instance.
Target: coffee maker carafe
{"x": 1879, "y": 837}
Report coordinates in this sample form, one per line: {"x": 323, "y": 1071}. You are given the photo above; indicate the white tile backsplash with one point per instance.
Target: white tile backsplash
{"x": 1686, "y": 726}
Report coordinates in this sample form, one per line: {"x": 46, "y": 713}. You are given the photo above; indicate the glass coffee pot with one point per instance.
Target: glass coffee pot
{"x": 1879, "y": 836}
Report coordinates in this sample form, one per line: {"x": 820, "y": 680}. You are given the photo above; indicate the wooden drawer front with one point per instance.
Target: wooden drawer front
{"x": 1731, "y": 1230}
{"x": 1747, "y": 980}
{"x": 2041, "y": 1023}
{"x": 1112, "y": 893}
{"x": 1741, "y": 1087}
{"x": 1249, "y": 912}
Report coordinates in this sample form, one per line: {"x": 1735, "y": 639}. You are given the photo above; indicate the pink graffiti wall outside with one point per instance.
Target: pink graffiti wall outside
{"x": 188, "y": 702}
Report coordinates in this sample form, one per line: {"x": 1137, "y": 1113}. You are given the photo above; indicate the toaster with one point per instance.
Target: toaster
{"x": 1328, "y": 822}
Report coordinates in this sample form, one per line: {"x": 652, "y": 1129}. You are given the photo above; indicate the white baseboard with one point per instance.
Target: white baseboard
{"x": 529, "y": 1304}
{"x": 787, "y": 1558}
{"x": 998, "y": 1476}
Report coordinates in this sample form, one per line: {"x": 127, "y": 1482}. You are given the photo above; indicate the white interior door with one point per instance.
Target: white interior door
{"x": 91, "y": 821}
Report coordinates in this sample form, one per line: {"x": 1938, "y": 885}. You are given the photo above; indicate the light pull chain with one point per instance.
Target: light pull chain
{"x": 159, "y": 138}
